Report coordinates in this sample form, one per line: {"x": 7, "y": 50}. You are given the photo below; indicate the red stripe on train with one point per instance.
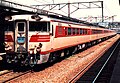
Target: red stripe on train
{"x": 39, "y": 38}
{"x": 8, "y": 38}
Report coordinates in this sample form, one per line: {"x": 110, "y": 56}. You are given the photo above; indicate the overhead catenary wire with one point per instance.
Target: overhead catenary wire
{"x": 43, "y": 1}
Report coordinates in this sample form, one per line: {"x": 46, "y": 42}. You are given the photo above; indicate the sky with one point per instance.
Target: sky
{"x": 111, "y": 8}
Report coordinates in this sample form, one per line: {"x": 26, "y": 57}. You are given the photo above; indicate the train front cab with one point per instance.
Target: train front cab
{"x": 24, "y": 40}
{"x": 16, "y": 40}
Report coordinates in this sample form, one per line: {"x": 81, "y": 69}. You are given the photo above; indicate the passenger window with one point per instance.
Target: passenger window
{"x": 77, "y": 31}
{"x": 73, "y": 30}
{"x": 69, "y": 31}
{"x": 85, "y": 31}
{"x": 81, "y": 31}
{"x": 66, "y": 29}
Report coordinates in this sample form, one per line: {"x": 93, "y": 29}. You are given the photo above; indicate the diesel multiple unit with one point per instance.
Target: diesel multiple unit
{"x": 36, "y": 39}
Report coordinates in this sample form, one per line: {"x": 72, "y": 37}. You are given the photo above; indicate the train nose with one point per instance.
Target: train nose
{"x": 21, "y": 49}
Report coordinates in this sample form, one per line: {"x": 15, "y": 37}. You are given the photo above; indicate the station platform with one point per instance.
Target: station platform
{"x": 115, "y": 78}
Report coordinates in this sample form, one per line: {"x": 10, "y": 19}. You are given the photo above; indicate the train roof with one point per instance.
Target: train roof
{"x": 73, "y": 20}
{"x": 54, "y": 17}
{"x": 61, "y": 17}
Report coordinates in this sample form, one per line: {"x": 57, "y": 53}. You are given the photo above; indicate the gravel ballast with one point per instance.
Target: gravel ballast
{"x": 65, "y": 70}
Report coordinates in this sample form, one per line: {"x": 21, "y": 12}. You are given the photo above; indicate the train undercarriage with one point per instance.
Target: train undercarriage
{"x": 23, "y": 59}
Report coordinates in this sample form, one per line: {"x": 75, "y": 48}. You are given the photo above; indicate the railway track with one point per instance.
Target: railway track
{"x": 53, "y": 70}
{"x": 13, "y": 75}
{"x": 78, "y": 75}
{"x": 8, "y": 76}
{"x": 4, "y": 72}
{"x": 101, "y": 71}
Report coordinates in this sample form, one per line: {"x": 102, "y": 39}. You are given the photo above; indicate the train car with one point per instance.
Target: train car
{"x": 37, "y": 39}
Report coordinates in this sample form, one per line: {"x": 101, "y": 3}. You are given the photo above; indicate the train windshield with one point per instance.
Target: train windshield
{"x": 39, "y": 26}
{"x": 9, "y": 26}
{"x": 21, "y": 26}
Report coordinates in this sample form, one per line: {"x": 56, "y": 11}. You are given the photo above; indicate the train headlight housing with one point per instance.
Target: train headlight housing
{"x": 7, "y": 46}
{"x": 36, "y": 49}
{"x": 8, "y": 18}
{"x": 10, "y": 48}
{"x": 31, "y": 51}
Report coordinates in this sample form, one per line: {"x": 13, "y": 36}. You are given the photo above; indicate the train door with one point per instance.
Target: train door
{"x": 52, "y": 35}
{"x": 21, "y": 37}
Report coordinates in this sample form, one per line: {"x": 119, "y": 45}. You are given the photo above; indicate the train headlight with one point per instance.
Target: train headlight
{"x": 8, "y": 18}
{"x": 10, "y": 48}
{"x": 7, "y": 46}
{"x": 36, "y": 49}
{"x": 31, "y": 51}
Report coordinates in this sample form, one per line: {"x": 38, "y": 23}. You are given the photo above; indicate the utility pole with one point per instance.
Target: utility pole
{"x": 102, "y": 11}
{"x": 77, "y": 6}
{"x": 53, "y": 1}
{"x": 68, "y": 8}
{"x": 113, "y": 18}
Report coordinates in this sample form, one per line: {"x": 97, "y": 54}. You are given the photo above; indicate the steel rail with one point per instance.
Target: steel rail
{"x": 88, "y": 66}
{"x": 105, "y": 63}
{"x": 6, "y": 72}
{"x": 14, "y": 77}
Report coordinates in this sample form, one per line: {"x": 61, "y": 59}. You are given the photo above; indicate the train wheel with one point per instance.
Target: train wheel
{"x": 8, "y": 59}
{"x": 26, "y": 62}
{"x": 33, "y": 61}
{"x": 88, "y": 44}
{"x": 36, "y": 59}
{"x": 51, "y": 58}
{"x": 15, "y": 59}
{"x": 67, "y": 52}
{"x": 62, "y": 54}
{"x": 75, "y": 49}
{"x": 54, "y": 56}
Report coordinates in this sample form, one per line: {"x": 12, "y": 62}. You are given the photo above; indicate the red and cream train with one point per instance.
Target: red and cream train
{"x": 36, "y": 39}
